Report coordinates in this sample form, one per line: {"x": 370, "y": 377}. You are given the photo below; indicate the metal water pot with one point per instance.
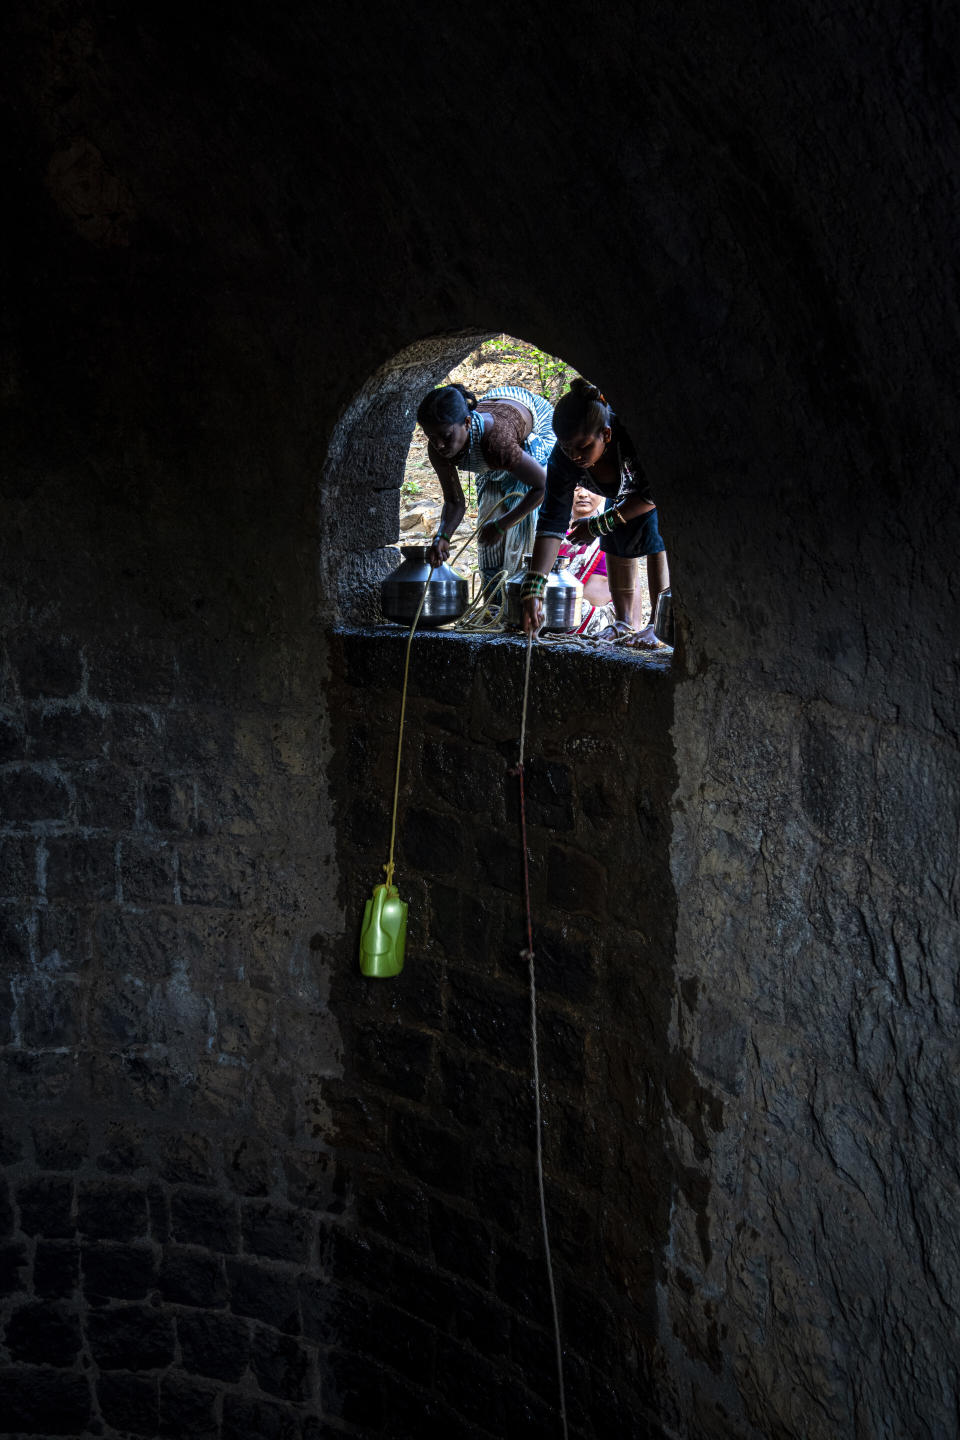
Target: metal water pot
{"x": 561, "y": 599}
{"x": 447, "y": 594}
{"x": 663, "y": 626}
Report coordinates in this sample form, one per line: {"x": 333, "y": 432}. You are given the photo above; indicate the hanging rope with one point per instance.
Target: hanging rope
{"x": 403, "y": 710}
{"x": 528, "y": 955}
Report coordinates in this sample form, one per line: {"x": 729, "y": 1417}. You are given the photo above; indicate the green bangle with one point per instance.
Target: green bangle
{"x": 442, "y": 535}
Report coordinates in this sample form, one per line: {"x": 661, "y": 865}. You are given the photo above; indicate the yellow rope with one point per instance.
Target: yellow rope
{"x": 403, "y": 710}
{"x": 484, "y": 599}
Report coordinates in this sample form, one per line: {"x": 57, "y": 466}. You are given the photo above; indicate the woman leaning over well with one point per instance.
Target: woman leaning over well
{"x": 504, "y": 440}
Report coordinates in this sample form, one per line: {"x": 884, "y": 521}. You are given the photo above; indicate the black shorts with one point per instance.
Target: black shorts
{"x": 638, "y": 537}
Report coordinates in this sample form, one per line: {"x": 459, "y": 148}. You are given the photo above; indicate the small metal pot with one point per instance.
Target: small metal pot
{"x": 663, "y": 626}
{"x": 447, "y": 594}
{"x": 561, "y": 599}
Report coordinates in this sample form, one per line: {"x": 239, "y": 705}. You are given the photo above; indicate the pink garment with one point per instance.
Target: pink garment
{"x": 582, "y": 557}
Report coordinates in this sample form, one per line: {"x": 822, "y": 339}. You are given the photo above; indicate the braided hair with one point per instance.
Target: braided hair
{"x": 447, "y": 405}
{"x": 582, "y": 411}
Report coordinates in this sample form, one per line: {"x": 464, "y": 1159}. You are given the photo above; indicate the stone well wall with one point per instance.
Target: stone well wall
{"x": 438, "y": 1277}
{"x": 229, "y": 236}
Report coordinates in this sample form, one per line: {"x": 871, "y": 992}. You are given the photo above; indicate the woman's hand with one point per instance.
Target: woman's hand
{"x": 439, "y": 553}
{"x": 490, "y": 534}
{"x": 531, "y": 615}
{"x": 579, "y": 533}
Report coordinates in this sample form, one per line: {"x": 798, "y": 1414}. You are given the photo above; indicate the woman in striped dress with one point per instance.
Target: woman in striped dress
{"x": 503, "y": 440}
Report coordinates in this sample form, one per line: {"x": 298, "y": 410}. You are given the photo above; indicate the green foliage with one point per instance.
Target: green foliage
{"x": 411, "y": 487}
{"x": 553, "y": 374}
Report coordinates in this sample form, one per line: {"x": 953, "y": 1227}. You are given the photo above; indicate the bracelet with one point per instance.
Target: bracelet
{"x": 599, "y": 525}
{"x": 620, "y": 517}
{"x": 442, "y": 535}
{"x": 533, "y": 586}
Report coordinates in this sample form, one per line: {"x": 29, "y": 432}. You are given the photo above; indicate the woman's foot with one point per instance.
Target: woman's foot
{"x": 643, "y": 639}
{"x": 616, "y": 633}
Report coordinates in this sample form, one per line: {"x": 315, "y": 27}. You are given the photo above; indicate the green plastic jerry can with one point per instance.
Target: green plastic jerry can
{"x": 383, "y": 934}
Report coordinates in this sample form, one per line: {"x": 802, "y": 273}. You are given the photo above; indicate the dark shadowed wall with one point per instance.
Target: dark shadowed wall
{"x": 237, "y": 245}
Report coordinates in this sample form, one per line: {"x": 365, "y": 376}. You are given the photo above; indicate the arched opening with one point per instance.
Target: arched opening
{"x": 380, "y": 425}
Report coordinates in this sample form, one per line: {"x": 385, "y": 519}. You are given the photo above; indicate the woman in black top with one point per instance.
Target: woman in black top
{"x": 593, "y": 450}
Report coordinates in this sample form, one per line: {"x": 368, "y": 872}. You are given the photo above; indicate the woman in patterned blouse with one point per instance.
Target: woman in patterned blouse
{"x": 504, "y": 440}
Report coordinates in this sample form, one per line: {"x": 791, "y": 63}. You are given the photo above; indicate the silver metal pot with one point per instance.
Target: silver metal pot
{"x": 663, "y": 626}
{"x": 447, "y": 593}
{"x": 561, "y": 599}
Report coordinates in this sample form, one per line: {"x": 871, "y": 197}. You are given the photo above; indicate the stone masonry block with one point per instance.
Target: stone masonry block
{"x": 192, "y": 1277}
{"x": 111, "y": 1210}
{"x": 130, "y": 1403}
{"x": 18, "y": 867}
{"x": 44, "y": 1333}
{"x": 199, "y": 1217}
{"x": 60, "y": 1144}
{"x": 214, "y": 1345}
{"x": 429, "y": 1152}
{"x": 49, "y": 1013}
{"x": 6, "y": 1210}
{"x": 81, "y": 869}
{"x": 281, "y": 1365}
{"x": 485, "y": 1096}
{"x": 333, "y": 1315}
{"x": 249, "y": 1166}
{"x": 130, "y": 1337}
{"x": 395, "y": 1058}
{"x": 576, "y": 882}
{"x": 13, "y": 1268}
{"x": 45, "y": 666}
{"x": 117, "y": 1272}
{"x": 187, "y": 1158}
{"x": 277, "y": 1232}
{"x": 106, "y": 796}
{"x": 471, "y": 780}
{"x": 146, "y": 872}
{"x": 393, "y": 1210}
{"x": 14, "y": 945}
{"x": 68, "y": 732}
{"x": 38, "y": 1402}
{"x": 396, "y": 1339}
{"x": 187, "y": 1408}
{"x": 431, "y": 842}
{"x": 490, "y": 1017}
{"x": 461, "y": 1243}
{"x": 498, "y": 859}
{"x": 264, "y": 1294}
{"x": 243, "y": 1417}
{"x": 32, "y": 795}
{"x": 217, "y": 874}
{"x": 134, "y": 672}
{"x": 56, "y": 1268}
{"x": 567, "y": 962}
{"x": 45, "y": 1205}
{"x": 12, "y": 738}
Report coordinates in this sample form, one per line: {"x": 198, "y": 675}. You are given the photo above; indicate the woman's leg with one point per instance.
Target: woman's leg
{"x": 622, "y": 577}
{"x": 658, "y": 578}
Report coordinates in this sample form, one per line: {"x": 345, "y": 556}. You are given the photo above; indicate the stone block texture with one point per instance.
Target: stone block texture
{"x": 245, "y": 1191}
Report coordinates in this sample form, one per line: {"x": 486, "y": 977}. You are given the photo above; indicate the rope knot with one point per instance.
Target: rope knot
{"x": 526, "y": 955}
{"x": 515, "y": 769}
